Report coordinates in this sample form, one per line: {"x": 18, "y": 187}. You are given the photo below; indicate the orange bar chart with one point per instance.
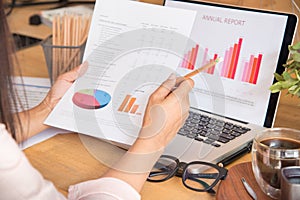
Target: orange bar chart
{"x": 128, "y": 105}
{"x": 134, "y": 109}
{"x": 125, "y": 101}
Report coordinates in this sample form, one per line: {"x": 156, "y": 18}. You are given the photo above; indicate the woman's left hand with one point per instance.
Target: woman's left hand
{"x": 62, "y": 84}
{"x": 33, "y": 120}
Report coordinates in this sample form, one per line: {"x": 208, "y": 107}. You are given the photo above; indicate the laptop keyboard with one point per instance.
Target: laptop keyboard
{"x": 210, "y": 130}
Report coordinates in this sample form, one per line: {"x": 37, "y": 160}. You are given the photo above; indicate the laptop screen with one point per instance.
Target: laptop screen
{"x": 253, "y": 44}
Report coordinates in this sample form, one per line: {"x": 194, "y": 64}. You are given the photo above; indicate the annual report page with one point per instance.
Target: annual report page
{"x": 249, "y": 43}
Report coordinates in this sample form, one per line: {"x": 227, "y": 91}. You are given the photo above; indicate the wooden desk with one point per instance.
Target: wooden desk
{"x": 65, "y": 161}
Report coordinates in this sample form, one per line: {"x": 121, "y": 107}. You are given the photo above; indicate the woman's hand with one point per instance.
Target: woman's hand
{"x": 62, "y": 84}
{"x": 166, "y": 112}
{"x": 32, "y": 120}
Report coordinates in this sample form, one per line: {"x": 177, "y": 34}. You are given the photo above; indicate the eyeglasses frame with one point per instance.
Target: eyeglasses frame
{"x": 221, "y": 175}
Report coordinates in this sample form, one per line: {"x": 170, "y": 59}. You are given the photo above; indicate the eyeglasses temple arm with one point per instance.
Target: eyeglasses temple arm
{"x": 157, "y": 173}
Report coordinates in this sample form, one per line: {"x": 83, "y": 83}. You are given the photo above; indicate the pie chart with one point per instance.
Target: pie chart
{"x": 91, "y": 98}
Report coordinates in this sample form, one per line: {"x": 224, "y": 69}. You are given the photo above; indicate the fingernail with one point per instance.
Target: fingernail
{"x": 172, "y": 76}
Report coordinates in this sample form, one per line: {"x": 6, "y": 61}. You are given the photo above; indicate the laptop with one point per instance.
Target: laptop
{"x": 231, "y": 102}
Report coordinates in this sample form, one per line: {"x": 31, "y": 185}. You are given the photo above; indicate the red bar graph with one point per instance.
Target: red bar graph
{"x": 193, "y": 57}
{"x": 252, "y": 73}
{"x": 230, "y": 62}
{"x": 212, "y": 69}
{"x": 231, "y": 58}
{"x": 128, "y": 105}
{"x": 189, "y": 59}
{"x": 251, "y": 69}
{"x": 257, "y": 67}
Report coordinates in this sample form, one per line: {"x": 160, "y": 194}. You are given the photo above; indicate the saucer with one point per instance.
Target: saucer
{"x": 232, "y": 187}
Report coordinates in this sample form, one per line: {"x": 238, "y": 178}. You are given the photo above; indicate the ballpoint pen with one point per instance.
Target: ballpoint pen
{"x": 200, "y": 69}
{"x": 249, "y": 189}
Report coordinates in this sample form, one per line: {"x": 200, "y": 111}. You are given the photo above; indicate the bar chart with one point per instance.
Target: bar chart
{"x": 251, "y": 69}
{"x": 128, "y": 105}
{"x": 231, "y": 58}
{"x": 232, "y": 65}
{"x": 211, "y": 70}
{"x": 189, "y": 59}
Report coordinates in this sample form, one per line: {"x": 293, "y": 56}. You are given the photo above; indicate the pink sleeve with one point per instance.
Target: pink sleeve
{"x": 18, "y": 179}
{"x": 105, "y": 189}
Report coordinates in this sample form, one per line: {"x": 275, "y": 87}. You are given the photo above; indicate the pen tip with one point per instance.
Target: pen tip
{"x": 220, "y": 59}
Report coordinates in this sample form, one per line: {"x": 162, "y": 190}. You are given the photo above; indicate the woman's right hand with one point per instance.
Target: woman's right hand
{"x": 166, "y": 112}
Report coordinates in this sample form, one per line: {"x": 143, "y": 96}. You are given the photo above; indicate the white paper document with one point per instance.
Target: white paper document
{"x": 31, "y": 91}
{"x": 131, "y": 48}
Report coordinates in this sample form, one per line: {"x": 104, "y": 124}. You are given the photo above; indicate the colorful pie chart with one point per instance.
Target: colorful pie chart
{"x": 91, "y": 98}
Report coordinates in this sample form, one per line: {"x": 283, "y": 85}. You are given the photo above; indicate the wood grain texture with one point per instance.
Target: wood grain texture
{"x": 32, "y": 62}
{"x": 232, "y": 187}
{"x": 288, "y": 112}
{"x": 19, "y": 22}
{"x": 65, "y": 161}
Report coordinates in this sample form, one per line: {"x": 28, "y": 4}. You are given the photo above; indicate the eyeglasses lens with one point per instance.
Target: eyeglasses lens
{"x": 199, "y": 176}
{"x": 163, "y": 168}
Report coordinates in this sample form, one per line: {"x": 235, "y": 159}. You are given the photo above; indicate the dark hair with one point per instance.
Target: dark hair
{"x": 8, "y": 96}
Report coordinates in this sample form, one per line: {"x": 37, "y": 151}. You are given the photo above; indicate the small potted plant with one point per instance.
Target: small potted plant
{"x": 290, "y": 79}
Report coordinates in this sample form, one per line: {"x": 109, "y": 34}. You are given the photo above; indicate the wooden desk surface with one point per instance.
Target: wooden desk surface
{"x": 65, "y": 161}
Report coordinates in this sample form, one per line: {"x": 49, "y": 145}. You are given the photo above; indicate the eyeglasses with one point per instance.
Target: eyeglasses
{"x": 197, "y": 175}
